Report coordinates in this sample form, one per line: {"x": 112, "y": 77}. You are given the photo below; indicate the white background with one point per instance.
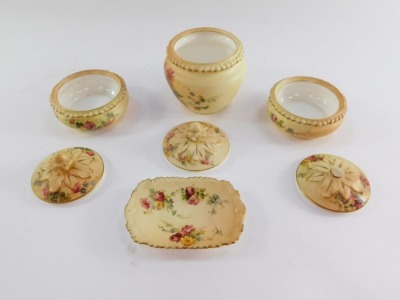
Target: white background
{"x": 290, "y": 249}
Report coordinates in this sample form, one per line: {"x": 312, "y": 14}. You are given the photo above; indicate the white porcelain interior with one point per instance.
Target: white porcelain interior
{"x": 205, "y": 47}
{"x": 308, "y": 100}
{"x": 88, "y": 92}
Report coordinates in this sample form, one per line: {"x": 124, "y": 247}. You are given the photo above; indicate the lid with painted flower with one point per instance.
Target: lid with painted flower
{"x": 196, "y": 146}
{"x": 333, "y": 183}
{"x": 67, "y": 175}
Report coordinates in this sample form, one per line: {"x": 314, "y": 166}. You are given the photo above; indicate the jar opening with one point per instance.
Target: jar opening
{"x": 88, "y": 92}
{"x": 205, "y": 47}
{"x": 308, "y": 100}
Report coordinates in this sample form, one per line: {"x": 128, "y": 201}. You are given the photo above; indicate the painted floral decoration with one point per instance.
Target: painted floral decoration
{"x": 158, "y": 200}
{"x": 187, "y": 235}
{"x": 104, "y": 121}
{"x": 193, "y": 195}
{"x": 190, "y": 98}
{"x": 281, "y": 124}
{"x": 169, "y": 73}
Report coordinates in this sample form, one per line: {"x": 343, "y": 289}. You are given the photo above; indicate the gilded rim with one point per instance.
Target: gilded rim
{"x": 59, "y": 109}
{"x": 235, "y": 58}
{"x": 334, "y": 118}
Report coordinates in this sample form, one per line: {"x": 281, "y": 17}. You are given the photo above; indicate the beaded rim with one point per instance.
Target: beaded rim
{"x": 235, "y": 58}
{"x": 58, "y": 108}
{"x": 334, "y": 118}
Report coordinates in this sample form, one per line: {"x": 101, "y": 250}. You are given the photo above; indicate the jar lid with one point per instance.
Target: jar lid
{"x": 67, "y": 175}
{"x": 333, "y": 182}
{"x": 195, "y": 146}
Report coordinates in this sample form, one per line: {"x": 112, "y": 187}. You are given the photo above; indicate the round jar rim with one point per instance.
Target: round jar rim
{"x": 335, "y": 117}
{"x": 55, "y": 103}
{"x": 227, "y": 63}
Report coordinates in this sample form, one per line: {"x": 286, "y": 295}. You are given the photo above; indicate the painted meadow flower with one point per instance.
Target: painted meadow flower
{"x": 205, "y": 162}
{"x": 187, "y": 241}
{"x": 159, "y": 204}
{"x": 45, "y": 191}
{"x": 193, "y": 200}
{"x": 190, "y": 191}
{"x": 187, "y": 229}
{"x": 169, "y": 73}
{"x": 159, "y": 196}
{"x": 335, "y": 176}
{"x": 90, "y": 153}
{"x": 144, "y": 203}
{"x": 89, "y": 125}
{"x": 365, "y": 181}
{"x": 159, "y": 199}
{"x": 176, "y": 237}
{"x": 77, "y": 187}
{"x": 358, "y": 201}
{"x": 66, "y": 168}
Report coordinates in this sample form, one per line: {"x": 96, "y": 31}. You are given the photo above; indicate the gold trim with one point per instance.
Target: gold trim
{"x": 205, "y": 67}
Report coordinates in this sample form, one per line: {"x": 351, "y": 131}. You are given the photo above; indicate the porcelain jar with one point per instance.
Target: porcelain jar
{"x": 205, "y": 68}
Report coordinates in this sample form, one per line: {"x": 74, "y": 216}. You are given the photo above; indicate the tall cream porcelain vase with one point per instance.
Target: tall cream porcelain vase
{"x": 205, "y": 68}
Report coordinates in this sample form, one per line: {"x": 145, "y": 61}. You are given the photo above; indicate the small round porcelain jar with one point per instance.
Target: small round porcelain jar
{"x": 306, "y": 107}
{"x": 205, "y": 68}
{"x": 90, "y": 99}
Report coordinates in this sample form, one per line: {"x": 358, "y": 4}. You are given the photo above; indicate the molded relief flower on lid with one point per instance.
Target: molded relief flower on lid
{"x": 333, "y": 182}
{"x": 195, "y": 146}
{"x": 67, "y": 175}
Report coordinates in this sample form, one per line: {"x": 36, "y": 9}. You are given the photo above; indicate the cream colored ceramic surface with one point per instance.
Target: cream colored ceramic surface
{"x": 306, "y": 107}
{"x": 194, "y": 212}
{"x": 90, "y": 100}
{"x": 205, "y": 68}
{"x": 333, "y": 183}
{"x": 196, "y": 146}
{"x": 67, "y": 175}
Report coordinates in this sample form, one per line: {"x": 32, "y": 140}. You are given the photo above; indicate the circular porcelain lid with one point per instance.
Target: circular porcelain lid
{"x": 333, "y": 183}
{"x": 67, "y": 175}
{"x": 195, "y": 146}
